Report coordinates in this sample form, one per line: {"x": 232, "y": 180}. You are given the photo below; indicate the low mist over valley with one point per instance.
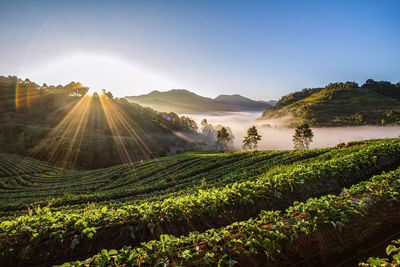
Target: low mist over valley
{"x": 278, "y": 137}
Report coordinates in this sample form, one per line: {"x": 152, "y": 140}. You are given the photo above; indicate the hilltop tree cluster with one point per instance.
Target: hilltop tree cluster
{"x": 340, "y": 104}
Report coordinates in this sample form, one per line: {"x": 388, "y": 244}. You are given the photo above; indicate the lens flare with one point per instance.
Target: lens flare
{"x": 17, "y": 105}
{"x": 23, "y": 94}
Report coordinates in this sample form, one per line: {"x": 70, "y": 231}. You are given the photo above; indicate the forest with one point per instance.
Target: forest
{"x": 340, "y": 104}
{"x": 46, "y": 122}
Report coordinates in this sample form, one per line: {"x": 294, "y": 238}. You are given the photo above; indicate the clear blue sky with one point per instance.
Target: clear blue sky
{"x": 261, "y": 49}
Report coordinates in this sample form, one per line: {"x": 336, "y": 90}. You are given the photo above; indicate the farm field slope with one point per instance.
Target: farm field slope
{"x": 199, "y": 208}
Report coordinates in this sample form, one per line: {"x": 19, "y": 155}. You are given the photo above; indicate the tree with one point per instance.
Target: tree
{"x": 222, "y": 139}
{"x": 187, "y": 124}
{"x": 208, "y": 130}
{"x": 251, "y": 140}
{"x": 229, "y": 145}
{"x": 302, "y": 137}
{"x": 76, "y": 89}
{"x": 106, "y": 94}
{"x": 109, "y": 95}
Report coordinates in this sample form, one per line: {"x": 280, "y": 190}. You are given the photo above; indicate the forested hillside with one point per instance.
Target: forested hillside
{"x": 340, "y": 104}
{"x": 67, "y": 126}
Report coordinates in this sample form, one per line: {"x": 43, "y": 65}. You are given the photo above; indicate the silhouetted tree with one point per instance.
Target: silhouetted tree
{"x": 251, "y": 140}
{"x": 222, "y": 139}
{"x": 109, "y": 95}
{"x": 302, "y": 137}
{"x": 75, "y": 89}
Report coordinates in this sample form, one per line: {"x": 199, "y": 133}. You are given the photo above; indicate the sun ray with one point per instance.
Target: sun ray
{"x": 118, "y": 124}
{"x": 63, "y": 142}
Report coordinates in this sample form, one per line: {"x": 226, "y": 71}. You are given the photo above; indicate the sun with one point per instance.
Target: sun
{"x": 92, "y": 91}
{"x": 120, "y": 74}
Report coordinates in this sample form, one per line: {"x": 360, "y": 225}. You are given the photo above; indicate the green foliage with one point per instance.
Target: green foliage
{"x": 251, "y": 140}
{"x": 340, "y": 104}
{"x": 270, "y": 230}
{"x": 211, "y": 132}
{"x": 302, "y": 136}
{"x": 142, "y": 196}
{"x": 223, "y": 139}
{"x": 393, "y": 252}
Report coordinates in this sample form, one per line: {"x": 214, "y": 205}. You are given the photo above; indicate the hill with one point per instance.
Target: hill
{"x": 274, "y": 208}
{"x": 242, "y": 103}
{"x": 339, "y": 104}
{"x": 64, "y": 125}
{"x": 184, "y": 101}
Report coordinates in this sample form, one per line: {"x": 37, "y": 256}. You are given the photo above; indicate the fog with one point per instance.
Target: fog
{"x": 281, "y": 138}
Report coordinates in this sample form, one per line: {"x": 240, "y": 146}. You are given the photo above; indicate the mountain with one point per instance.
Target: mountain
{"x": 269, "y": 102}
{"x": 64, "y": 125}
{"x": 239, "y": 102}
{"x": 179, "y": 101}
{"x": 339, "y": 104}
{"x": 184, "y": 101}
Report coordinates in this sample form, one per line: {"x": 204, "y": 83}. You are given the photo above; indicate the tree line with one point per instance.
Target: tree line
{"x": 302, "y": 137}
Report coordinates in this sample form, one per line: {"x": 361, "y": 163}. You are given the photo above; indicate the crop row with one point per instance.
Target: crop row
{"x": 211, "y": 173}
{"x": 125, "y": 181}
{"x": 11, "y": 165}
{"x": 206, "y": 208}
{"x": 56, "y": 184}
{"x": 392, "y": 259}
{"x": 275, "y": 237}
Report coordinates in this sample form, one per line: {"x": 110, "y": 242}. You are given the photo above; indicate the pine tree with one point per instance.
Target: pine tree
{"x": 302, "y": 137}
{"x": 251, "y": 140}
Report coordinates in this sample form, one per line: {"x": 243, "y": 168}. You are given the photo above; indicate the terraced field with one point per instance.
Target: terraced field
{"x": 260, "y": 208}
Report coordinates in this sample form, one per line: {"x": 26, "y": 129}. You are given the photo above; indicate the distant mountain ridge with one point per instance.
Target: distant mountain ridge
{"x": 244, "y": 103}
{"x": 184, "y": 101}
{"x": 339, "y": 104}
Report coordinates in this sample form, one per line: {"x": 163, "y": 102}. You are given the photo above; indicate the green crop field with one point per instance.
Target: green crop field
{"x": 257, "y": 208}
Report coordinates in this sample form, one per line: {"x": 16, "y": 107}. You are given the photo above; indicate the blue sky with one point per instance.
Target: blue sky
{"x": 260, "y": 49}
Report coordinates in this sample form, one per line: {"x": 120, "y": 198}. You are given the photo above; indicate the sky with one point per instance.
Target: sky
{"x": 260, "y": 49}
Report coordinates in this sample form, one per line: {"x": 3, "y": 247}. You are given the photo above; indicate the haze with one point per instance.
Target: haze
{"x": 276, "y": 138}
